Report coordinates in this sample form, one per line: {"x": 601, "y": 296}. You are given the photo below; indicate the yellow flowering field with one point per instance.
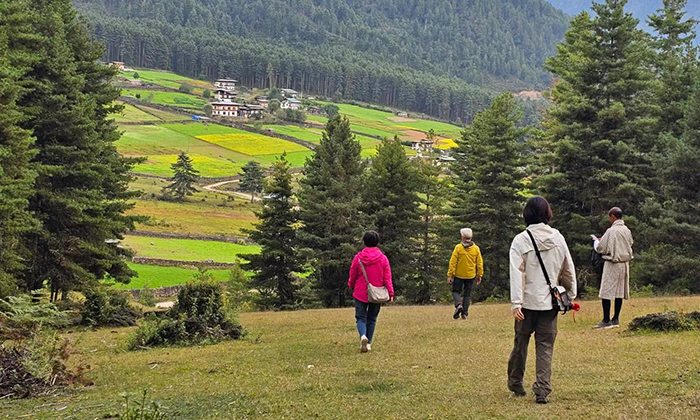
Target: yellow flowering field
{"x": 252, "y": 144}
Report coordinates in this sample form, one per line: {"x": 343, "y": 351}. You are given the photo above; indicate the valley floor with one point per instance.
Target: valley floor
{"x": 306, "y": 364}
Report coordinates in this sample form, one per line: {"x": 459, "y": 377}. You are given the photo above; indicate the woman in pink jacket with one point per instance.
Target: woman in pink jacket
{"x": 378, "y": 271}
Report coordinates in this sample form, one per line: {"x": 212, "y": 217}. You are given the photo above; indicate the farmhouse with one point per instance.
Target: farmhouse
{"x": 402, "y": 114}
{"x": 424, "y": 145}
{"x": 118, "y": 64}
{"x": 314, "y": 110}
{"x": 222, "y": 94}
{"x": 225, "y": 109}
{"x": 226, "y": 83}
{"x": 291, "y": 103}
{"x": 290, "y": 93}
{"x": 263, "y": 101}
{"x": 251, "y": 111}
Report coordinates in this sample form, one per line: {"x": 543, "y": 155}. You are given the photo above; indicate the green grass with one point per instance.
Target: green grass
{"x": 154, "y": 276}
{"x": 132, "y": 114}
{"x": 169, "y": 80}
{"x": 187, "y": 249}
{"x": 182, "y": 100}
{"x": 195, "y": 129}
{"x": 296, "y": 159}
{"x": 160, "y": 165}
{"x": 423, "y": 365}
{"x": 308, "y": 134}
{"x": 196, "y": 216}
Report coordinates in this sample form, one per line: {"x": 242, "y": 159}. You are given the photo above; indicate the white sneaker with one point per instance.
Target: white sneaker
{"x": 369, "y": 347}
{"x": 364, "y": 344}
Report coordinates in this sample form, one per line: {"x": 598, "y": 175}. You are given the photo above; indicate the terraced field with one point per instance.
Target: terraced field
{"x": 187, "y": 249}
{"x": 252, "y": 144}
{"x": 153, "y": 276}
{"x": 182, "y": 100}
{"x": 169, "y": 80}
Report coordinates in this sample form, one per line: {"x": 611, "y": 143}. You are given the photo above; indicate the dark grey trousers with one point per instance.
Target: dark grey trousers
{"x": 462, "y": 292}
{"x": 544, "y": 325}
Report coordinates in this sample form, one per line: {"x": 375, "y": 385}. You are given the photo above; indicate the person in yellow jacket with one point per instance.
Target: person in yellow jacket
{"x": 466, "y": 267}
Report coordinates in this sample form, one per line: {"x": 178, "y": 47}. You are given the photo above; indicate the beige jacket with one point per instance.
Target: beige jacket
{"x": 528, "y": 287}
{"x": 616, "y": 244}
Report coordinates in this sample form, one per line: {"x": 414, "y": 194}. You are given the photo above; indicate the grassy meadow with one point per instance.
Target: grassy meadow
{"x": 132, "y": 114}
{"x": 252, "y": 144}
{"x": 170, "y": 80}
{"x": 153, "y": 276}
{"x": 182, "y": 100}
{"x": 187, "y": 249}
{"x": 423, "y": 365}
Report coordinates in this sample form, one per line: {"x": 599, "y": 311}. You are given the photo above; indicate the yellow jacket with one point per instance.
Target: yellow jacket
{"x": 466, "y": 262}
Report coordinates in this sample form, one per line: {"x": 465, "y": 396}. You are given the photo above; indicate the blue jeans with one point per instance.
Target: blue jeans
{"x": 366, "y": 317}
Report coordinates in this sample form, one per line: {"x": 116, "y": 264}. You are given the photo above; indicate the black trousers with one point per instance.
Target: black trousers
{"x": 462, "y": 292}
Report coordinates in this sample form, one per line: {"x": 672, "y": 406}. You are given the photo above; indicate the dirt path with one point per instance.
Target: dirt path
{"x": 214, "y": 188}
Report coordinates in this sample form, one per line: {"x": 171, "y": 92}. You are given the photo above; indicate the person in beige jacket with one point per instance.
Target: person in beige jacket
{"x": 531, "y": 298}
{"x": 616, "y": 249}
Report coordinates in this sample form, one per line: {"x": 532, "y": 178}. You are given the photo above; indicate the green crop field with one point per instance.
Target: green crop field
{"x": 252, "y": 144}
{"x": 187, "y": 249}
{"x": 209, "y": 167}
{"x": 312, "y": 134}
{"x": 423, "y": 365}
{"x": 133, "y": 114}
{"x": 153, "y": 276}
{"x": 169, "y": 80}
{"x": 195, "y": 129}
{"x": 182, "y": 100}
{"x": 295, "y": 159}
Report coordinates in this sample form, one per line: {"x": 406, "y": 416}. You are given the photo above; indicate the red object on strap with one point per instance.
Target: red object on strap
{"x": 575, "y": 307}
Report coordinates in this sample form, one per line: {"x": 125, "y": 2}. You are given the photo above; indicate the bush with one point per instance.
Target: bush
{"x": 34, "y": 361}
{"x": 108, "y": 307}
{"x": 185, "y": 88}
{"x": 199, "y": 316}
{"x": 141, "y": 410}
{"x": 206, "y": 94}
{"x": 136, "y": 75}
{"x": 147, "y": 297}
{"x": 667, "y": 321}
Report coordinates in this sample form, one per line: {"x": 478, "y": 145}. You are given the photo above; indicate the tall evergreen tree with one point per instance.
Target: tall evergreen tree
{"x": 675, "y": 62}
{"x": 184, "y": 177}
{"x": 433, "y": 234}
{"x": 390, "y": 198}
{"x": 601, "y": 126}
{"x": 16, "y": 173}
{"x": 329, "y": 201}
{"x": 489, "y": 183}
{"x": 81, "y": 191}
{"x": 276, "y": 234}
{"x": 252, "y": 179}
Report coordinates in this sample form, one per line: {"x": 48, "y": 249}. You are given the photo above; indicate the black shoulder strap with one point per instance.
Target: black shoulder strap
{"x": 539, "y": 257}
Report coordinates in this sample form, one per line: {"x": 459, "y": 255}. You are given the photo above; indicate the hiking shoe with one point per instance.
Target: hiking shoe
{"x": 541, "y": 399}
{"x": 519, "y": 391}
{"x": 603, "y": 326}
{"x": 615, "y": 323}
{"x": 364, "y": 343}
{"x": 458, "y": 312}
{"x": 464, "y": 316}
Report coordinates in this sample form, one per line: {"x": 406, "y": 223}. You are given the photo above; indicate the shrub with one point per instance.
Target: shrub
{"x": 34, "y": 360}
{"x": 147, "y": 297}
{"x": 136, "y": 75}
{"x": 206, "y": 94}
{"x": 140, "y": 410}
{"x": 185, "y": 88}
{"x": 667, "y": 321}
{"x": 199, "y": 316}
{"x": 108, "y": 307}
{"x": 138, "y": 96}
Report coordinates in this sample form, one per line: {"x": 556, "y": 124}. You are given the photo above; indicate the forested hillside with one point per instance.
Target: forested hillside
{"x": 439, "y": 57}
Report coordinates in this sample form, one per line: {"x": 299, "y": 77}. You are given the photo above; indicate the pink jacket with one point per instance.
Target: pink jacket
{"x": 378, "y": 271}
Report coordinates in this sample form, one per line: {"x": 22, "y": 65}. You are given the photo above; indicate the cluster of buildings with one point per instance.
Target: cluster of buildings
{"x": 225, "y": 105}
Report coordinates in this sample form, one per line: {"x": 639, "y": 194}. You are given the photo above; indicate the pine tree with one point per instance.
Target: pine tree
{"x": 81, "y": 191}
{"x": 602, "y": 125}
{"x": 252, "y": 179}
{"x": 276, "y": 234}
{"x": 433, "y": 245}
{"x": 676, "y": 61}
{"x": 390, "y": 199}
{"x": 16, "y": 173}
{"x": 489, "y": 183}
{"x": 329, "y": 201}
{"x": 184, "y": 176}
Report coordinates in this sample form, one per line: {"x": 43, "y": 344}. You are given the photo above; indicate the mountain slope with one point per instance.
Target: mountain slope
{"x": 432, "y": 56}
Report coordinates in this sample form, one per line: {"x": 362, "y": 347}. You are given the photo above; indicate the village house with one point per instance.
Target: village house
{"x": 314, "y": 110}
{"x": 263, "y": 101}
{"x": 222, "y": 94}
{"x": 289, "y": 93}
{"x": 291, "y": 103}
{"x": 423, "y": 146}
{"x": 226, "y": 84}
{"x": 118, "y": 64}
{"x": 251, "y": 111}
{"x": 402, "y": 114}
{"x": 225, "y": 109}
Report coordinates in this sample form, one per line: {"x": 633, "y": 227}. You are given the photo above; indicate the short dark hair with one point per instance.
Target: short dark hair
{"x": 371, "y": 239}
{"x": 616, "y": 211}
{"x": 537, "y": 210}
